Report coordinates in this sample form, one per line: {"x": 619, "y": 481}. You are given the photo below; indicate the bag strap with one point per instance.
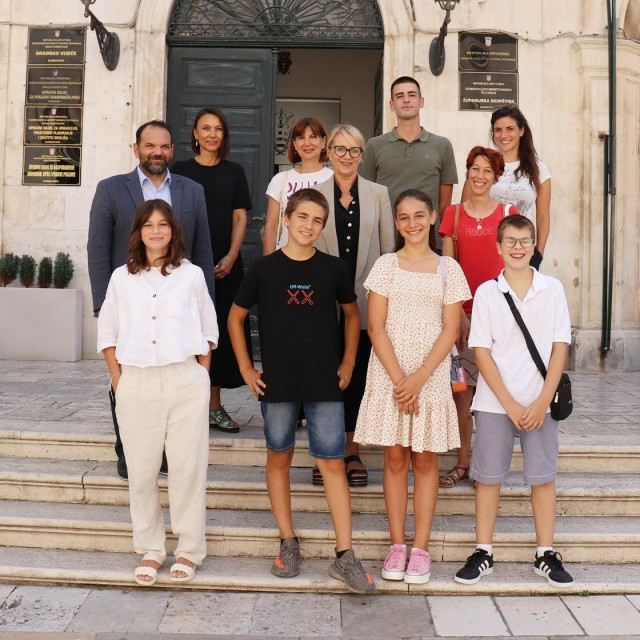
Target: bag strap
{"x": 527, "y": 336}
{"x": 454, "y": 235}
{"x": 280, "y": 217}
{"x": 443, "y": 276}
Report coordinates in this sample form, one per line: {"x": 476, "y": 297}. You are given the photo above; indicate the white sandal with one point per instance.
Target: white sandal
{"x": 144, "y": 570}
{"x": 184, "y": 568}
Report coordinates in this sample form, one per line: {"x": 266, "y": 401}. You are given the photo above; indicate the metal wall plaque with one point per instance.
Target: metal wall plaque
{"x": 52, "y": 165}
{"x": 56, "y": 46}
{"x": 55, "y": 86}
{"x": 486, "y": 91}
{"x": 487, "y": 52}
{"x": 488, "y": 70}
{"x": 52, "y": 125}
{"x": 53, "y": 106}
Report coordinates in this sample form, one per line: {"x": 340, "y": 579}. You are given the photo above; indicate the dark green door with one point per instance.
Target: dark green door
{"x": 241, "y": 82}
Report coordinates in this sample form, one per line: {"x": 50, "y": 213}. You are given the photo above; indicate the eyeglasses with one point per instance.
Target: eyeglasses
{"x": 525, "y": 243}
{"x": 341, "y": 151}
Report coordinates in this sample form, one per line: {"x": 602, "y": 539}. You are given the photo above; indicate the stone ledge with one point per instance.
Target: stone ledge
{"x": 33, "y": 566}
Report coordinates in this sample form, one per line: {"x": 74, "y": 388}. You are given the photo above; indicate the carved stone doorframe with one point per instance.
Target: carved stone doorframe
{"x": 150, "y": 55}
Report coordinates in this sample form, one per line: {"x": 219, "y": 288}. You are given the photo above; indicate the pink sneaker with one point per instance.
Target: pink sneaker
{"x": 419, "y": 569}
{"x": 395, "y": 563}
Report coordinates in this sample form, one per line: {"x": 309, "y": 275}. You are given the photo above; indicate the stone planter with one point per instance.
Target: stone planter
{"x": 40, "y": 324}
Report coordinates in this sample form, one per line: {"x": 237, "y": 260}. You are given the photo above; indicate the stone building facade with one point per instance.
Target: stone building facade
{"x": 563, "y": 90}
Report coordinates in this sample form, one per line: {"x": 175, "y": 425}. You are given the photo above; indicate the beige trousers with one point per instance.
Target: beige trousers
{"x": 166, "y": 408}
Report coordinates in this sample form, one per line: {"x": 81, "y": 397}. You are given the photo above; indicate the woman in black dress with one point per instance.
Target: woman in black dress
{"x": 228, "y": 199}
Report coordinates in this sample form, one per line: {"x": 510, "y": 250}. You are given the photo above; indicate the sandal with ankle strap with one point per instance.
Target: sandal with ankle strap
{"x": 356, "y": 477}
{"x": 220, "y": 419}
{"x": 454, "y": 477}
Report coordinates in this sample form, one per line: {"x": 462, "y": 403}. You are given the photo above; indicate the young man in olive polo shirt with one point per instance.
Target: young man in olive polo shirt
{"x": 410, "y": 157}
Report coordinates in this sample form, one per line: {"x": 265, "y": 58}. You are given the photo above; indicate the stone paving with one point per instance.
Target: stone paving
{"x": 52, "y": 613}
{"x": 43, "y": 392}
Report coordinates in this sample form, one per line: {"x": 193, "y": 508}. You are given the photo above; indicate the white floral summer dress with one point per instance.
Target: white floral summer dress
{"x": 414, "y": 321}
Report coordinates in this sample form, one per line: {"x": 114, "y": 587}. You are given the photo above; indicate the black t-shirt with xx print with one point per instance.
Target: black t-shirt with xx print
{"x": 299, "y": 332}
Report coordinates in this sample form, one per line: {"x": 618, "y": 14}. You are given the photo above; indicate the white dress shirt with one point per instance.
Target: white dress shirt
{"x": 152, "y": 325}
{"x": 546, "y": 315}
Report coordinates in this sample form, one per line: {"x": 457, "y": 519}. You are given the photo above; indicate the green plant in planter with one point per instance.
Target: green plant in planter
{"x": 8, "y": 269}
{"x": 45, "y": 273}
{"x": 62, "y": 270}
{"x": 27, "y": 271}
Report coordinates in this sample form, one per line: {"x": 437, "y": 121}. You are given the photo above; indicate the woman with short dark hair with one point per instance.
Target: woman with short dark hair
{"x": 308, "y": 147}
{"x": 228, "y": 199}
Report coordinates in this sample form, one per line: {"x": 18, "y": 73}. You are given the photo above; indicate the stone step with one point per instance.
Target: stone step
{"x": 56, "y": 567}
{"x": 580, "y": 451}
{"x": 94, "y": 482}
{"x": 83, "y": 527}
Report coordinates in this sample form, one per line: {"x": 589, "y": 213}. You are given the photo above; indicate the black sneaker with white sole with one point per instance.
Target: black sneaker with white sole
{"x": 550, "y": 567}
{"x": 479, "y": 564}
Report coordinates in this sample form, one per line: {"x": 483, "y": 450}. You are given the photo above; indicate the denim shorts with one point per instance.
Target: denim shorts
{"x": 493, "y": 448}
{"x": 325, "y": 425}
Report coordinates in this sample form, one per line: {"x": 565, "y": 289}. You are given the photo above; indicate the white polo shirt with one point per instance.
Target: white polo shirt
{"x": 546, "y": 315}
{"x": 154, "y": 320}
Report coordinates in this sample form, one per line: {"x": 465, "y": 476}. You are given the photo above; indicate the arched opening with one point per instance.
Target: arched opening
{"x": 227, "y": 53}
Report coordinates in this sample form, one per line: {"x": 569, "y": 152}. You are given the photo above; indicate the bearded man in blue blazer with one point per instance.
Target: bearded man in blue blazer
{"x": 114, "y": 207}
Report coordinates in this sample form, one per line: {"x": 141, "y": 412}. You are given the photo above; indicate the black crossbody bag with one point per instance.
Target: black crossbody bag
{"x": 562, "y": 403}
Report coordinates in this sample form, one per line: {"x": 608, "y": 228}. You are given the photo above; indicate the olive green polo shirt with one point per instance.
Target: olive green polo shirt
{"x": 425, "y": 164}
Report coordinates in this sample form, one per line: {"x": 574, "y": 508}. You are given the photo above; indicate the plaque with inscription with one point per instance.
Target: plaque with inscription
{"x": 56, "y": 46}
{"x": 486, "y": 91}
{"x": 55, "y": 86}
{"x": 487, "y": 52}
{"x": 53, "y": 125}
{"x": 51, "y": 165}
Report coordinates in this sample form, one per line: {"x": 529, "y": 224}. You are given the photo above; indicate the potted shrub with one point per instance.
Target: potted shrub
{"x": 39, "y": 323}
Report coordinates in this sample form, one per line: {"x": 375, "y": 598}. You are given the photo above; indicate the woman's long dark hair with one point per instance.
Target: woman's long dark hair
{"x": 526, "y": 151}
{"x": 418, "y": 195}
{"x": 176, "y": 250}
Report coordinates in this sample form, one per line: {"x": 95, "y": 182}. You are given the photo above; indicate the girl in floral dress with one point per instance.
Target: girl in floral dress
{"x": 414, "y": 320}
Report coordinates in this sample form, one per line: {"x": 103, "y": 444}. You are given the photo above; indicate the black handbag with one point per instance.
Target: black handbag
{"x": 562, "y": 403}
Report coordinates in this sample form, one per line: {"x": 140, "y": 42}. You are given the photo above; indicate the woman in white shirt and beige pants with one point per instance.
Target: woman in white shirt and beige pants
{"x": 156, "y": 330}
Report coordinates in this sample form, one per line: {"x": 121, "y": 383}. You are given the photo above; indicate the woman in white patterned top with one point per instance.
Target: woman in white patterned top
{"x": 526, "y": 181}
{"x": 308, "y": 146}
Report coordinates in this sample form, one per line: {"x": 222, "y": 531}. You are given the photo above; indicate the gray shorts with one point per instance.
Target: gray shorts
{"x": 493, "y": 448}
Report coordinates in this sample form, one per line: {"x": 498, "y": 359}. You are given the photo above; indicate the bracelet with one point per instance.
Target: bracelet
{"x": 116, "y": 374}
{"x": 427, "y": 368}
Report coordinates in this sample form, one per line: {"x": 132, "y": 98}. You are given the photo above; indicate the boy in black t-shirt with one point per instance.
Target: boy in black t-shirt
{"x": 296, "y": 289}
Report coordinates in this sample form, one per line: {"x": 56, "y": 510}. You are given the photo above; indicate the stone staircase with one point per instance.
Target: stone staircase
{"x": 64, "y": 517}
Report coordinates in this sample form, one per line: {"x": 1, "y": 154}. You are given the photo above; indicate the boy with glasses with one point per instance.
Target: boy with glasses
{"x": 512, "y": 399}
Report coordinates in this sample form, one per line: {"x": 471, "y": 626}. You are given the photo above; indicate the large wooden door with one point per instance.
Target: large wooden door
{"x": 240, "y": 82}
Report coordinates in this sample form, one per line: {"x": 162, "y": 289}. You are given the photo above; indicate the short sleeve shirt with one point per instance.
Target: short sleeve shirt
{"x": 298, "y": 323}
{"x": 424, "y": 163}
{"x": 477, "y": 253}
{"x": 546, "y": 315}
{"x": 519, "y": 192}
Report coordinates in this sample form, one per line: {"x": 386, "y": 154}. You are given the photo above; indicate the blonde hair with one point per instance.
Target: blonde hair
{"x": 346, "y": 130}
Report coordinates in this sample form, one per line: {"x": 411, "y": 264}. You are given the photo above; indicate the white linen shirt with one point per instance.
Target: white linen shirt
{"x": 546, "y": 315}
{"x": 151, "y": 328}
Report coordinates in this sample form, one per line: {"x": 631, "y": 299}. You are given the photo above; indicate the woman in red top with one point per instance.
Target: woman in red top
{"x": 472, "y": 242}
